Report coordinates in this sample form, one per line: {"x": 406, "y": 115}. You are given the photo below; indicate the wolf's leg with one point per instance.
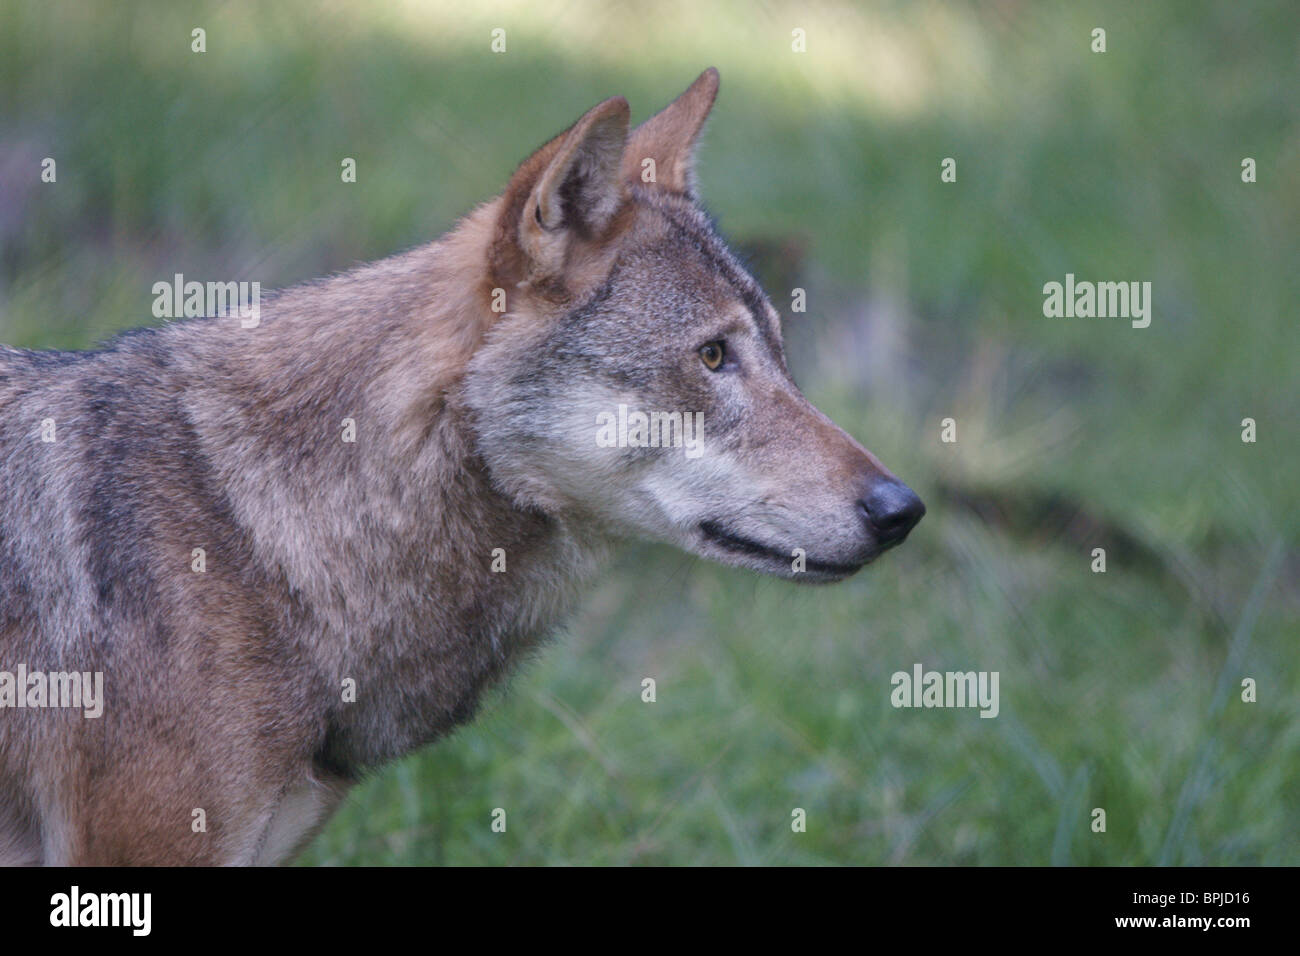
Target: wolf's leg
{"x": 296, "y": 818}
{"x": 20, "y": 843}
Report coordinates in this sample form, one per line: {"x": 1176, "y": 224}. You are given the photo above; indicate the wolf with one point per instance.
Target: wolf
{"x": 298, "y": 550}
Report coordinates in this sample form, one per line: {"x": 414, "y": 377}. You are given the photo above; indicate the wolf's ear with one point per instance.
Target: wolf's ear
{"x": 669, "y": 138}
{"x": 569, "y": 188}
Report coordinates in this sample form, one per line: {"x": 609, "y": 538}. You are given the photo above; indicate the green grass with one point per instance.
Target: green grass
{"x": 1119, "y": 691}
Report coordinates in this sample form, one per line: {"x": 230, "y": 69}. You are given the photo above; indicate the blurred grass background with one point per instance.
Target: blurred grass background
{"x": 1119, "y": 691}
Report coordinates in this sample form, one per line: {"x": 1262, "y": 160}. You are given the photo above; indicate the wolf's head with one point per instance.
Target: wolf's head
{"x": 637, "y": 380}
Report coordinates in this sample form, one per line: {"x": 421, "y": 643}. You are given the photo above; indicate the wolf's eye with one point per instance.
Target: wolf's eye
{"x": 712, "y": 353}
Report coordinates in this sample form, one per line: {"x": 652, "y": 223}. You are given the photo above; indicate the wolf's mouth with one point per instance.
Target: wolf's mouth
{"x": 740, "y": 545}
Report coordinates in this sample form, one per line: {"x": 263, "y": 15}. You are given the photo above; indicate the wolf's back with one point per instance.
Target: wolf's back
{"x": 83, "y": 441}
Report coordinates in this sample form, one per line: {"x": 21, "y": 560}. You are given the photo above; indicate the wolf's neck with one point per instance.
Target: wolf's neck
{"x": 338, "y": 434}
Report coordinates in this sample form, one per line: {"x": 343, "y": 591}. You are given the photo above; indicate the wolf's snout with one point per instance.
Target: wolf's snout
{"x": 892, "y": 510}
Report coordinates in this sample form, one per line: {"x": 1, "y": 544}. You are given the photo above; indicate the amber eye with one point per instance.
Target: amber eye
{"x": 713, "y": 354}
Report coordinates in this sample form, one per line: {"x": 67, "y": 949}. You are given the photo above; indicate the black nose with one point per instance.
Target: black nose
{"x": 893, "y": 509}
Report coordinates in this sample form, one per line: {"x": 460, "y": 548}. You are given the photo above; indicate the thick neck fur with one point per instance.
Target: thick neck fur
{"x": 382, "y": 547}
